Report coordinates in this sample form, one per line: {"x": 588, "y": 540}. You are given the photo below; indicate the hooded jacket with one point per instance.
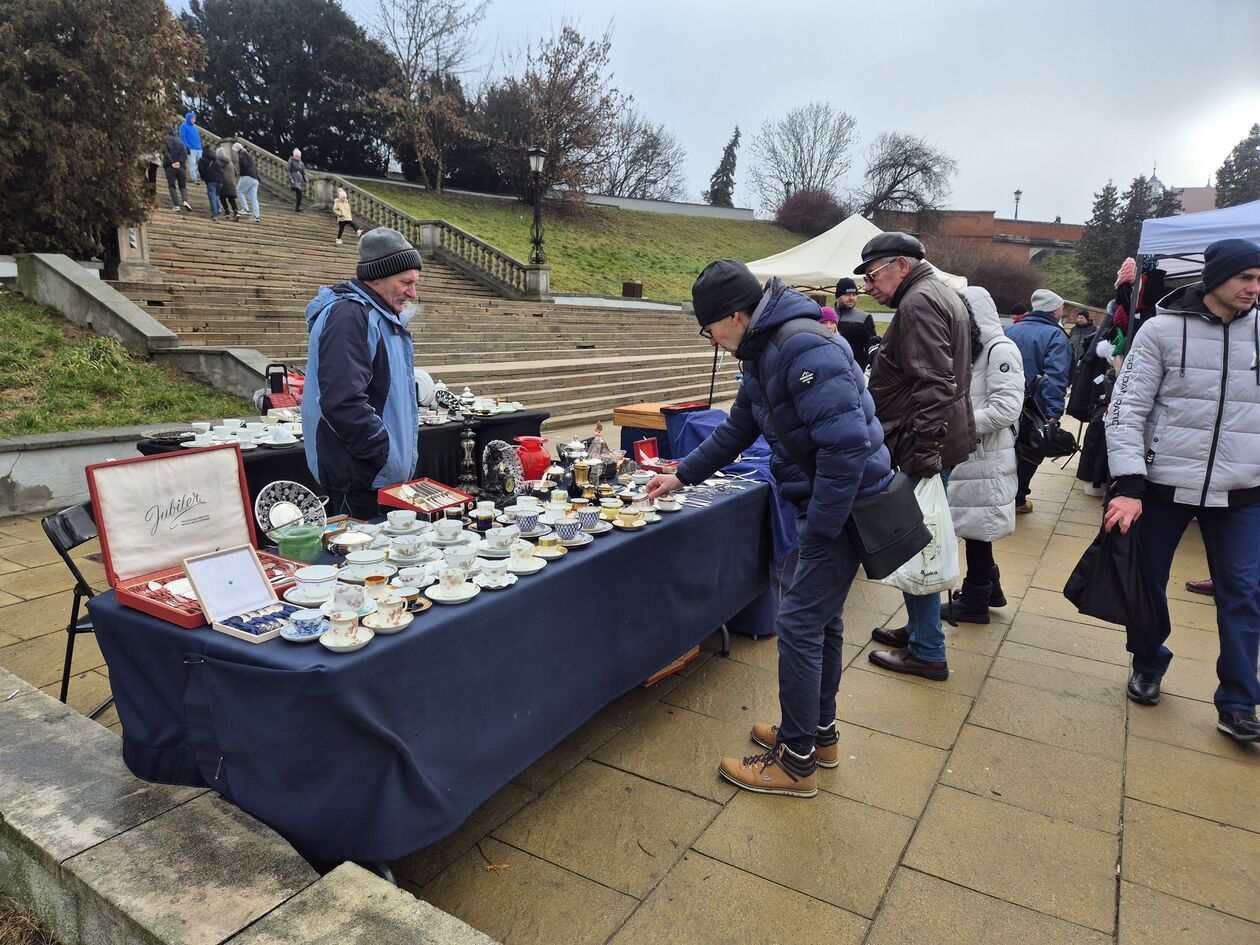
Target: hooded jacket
{"x": 228, "y": 188}
{"x": 1046, "y": 351}
{"x": 359, "y": 416}
{"x": 921, "y": 375}
{"x": 176, "y": 150}
{"x": 818, "y": 399}
{"x": 247, "y": 163}
{"x": 190, "y": 134}
{"x": 297, "y": 174}
{"x": 209, "y": 168}
{"x": 1184, "y": 420}
{"x": 982, "y": 489}
{"x": 858, "y": 329}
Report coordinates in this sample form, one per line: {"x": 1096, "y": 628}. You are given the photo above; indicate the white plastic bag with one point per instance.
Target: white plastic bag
{"x": 935, "y": 568}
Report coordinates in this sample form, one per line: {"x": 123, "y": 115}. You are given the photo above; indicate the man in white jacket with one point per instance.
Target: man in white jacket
{"x": 1183, "y": 442}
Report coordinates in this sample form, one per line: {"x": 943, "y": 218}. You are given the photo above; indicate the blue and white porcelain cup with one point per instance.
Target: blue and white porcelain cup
{"x": 588, "y": 517}
{"x": 527, "y": 519}
{"x": 567, "y": 528}
{"x": 307, "y": 622}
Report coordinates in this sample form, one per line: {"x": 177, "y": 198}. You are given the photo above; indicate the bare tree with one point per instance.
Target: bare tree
{"x": 904, "y": 172}
{"x": 431, "y": 41}
{"x": 642, "y": 160}
{"x": 806, "y": 149}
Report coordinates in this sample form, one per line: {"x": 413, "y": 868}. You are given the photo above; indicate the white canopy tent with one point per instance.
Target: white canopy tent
{"x": 1179, "y": 241}
{"x": 819, "y": 262}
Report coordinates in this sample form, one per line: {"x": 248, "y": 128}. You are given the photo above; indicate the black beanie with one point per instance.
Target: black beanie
{"x": 725, "y": 287}
{"x": 1225, "y": 259}
{"x": 845, "y": 285}
{"x": 384, "y": 252}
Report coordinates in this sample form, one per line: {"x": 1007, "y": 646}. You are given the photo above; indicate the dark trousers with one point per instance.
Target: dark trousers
{"x": 212, "y": 191}
{"x": 297, "y": 205}
{"x": 811, "y": 638}
{"x": 357, "y": 503}
{"x": 1231, "y": 537}
{"x": 1023, "y": 472}
{"x": 229, "y": 205}
{"x": 341, "y": 227}
{"x": 178, "y": 185}
{"x": 979, "y": 561}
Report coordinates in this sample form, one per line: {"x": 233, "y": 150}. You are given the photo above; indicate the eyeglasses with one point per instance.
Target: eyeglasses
{"x": 870, "y": 276}
{"x": 707, "y": 333}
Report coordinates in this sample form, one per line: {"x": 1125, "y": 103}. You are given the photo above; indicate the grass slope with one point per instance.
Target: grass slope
{"x": 1060, "y": 275}
{"x": 597, "y": 249}
{"x": 55, "y": 377}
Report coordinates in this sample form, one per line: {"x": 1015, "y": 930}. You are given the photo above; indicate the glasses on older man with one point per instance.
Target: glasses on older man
{"x": 870, "y": 275}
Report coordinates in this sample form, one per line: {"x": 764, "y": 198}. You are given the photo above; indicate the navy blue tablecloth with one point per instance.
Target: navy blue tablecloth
{"x": 374, "y": 754}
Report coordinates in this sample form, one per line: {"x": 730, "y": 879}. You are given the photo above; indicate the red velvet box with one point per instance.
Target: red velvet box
{"x": 152, "y": 512}
{"x": 438, "y": 497}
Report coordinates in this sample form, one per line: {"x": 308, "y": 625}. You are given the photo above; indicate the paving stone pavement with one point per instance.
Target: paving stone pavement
{"x": 1024, "y": 800}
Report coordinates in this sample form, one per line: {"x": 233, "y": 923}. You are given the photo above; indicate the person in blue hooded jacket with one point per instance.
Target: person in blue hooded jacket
{"x": 190, "y": 134}
{"x": 804, "y": 392}
{"x": 359, "y": 415}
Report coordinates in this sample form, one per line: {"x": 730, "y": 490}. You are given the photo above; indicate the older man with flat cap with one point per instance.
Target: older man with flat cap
{"x": 804, "y": 393}
{"x": 920, "y": 382}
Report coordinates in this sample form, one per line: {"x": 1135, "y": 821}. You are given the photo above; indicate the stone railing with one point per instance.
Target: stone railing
{"x": 474, "y": 257}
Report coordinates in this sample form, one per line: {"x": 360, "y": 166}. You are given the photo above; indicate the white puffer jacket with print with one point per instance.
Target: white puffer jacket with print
{"x": 982, "y": 488}
{"x": 1185, "y": 413}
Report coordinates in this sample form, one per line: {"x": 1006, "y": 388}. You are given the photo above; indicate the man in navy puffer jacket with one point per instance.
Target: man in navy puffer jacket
{"x": 803, "y": 391}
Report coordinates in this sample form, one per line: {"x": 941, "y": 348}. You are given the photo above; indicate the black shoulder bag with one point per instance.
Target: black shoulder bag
{"x": 886, "y": 528}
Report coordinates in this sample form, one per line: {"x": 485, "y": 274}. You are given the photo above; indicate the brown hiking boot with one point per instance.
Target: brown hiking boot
{"x": 767, "y": 736}
{"x": 771, "y": 773}
{"x": 903, "y": 661}
{"x": 1024, "y": 507}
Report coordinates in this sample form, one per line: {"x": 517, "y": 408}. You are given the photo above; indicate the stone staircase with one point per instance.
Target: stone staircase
{"x": 246, "y": 285}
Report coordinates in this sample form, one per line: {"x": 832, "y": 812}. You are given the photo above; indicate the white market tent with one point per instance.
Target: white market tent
{"x": 1179, "y": 241}
{"x": 819, "y": 262}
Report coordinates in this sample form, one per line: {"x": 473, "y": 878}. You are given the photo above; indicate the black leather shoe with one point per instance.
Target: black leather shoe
{"x": 1240, "y": 726}
{"x": 1143, "y": 688}
{"x": 898, "y": 638}
{"x": 996, "y": 597}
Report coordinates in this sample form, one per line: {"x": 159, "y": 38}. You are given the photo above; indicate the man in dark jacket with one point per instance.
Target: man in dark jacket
{"x": 855, "y": 326}
{"x": 805, "y": 394}
{"x": 211, "y": 172}
{"x": 920, "y": 381}
{"x": 175, "y": 161}
{"x": 1048, "y": 357}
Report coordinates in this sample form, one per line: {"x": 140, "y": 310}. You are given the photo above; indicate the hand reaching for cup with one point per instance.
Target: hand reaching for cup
{"x": 663, "y": 485}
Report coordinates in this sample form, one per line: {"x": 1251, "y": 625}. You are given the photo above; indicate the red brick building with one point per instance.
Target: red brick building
{"x": 1025, "y": 240}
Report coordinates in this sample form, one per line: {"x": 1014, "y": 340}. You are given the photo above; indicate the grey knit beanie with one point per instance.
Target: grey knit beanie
{"x": 384, "y": 252}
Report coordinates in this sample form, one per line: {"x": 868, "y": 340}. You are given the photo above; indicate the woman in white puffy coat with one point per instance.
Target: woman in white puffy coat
{"x": 982, "y": 489}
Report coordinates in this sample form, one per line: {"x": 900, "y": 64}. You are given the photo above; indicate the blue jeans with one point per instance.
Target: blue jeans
{"x": 193, "y": 158}
{"x": 247, "y": 191}
{"x": 212, "y": 191}
{"x": 927, "y": 639}
{"x": 811, "y": 638}
{"x": 1231, "y": 537}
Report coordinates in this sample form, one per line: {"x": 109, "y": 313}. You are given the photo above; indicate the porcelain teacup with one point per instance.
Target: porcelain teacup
{"x": 348, "y": 598}
{"x": 315, "y": 582}
{"x": 629, "y": 517}
{"x": 412, "y": 577}
{"x": 390, "y": 608}
{"x": 231, "y": 423}
{"x": 448, "y": 528}
{"x": 451, "y": 579}
{"x": 668, "y": 502}
{"x": 559, "y": 497}
{"x": 588, "y": 518}
{"x": 526, "y": 502}
{"x": 567, "y": 528}
{"x": 461, "y": 557}
{"x": 374, "y": 585}
{"x": 641, "y": 479}
{"x": 527, "y": 519}
{"x": 306, "y": 622}
{"x": 494, "y": 568}
{"x": 365, "y": 557}
{"x": 345, "y": 624}
{"x": 203, "y": 439}
{"x": 549, "y": 541}
{"x": 407, "y": 546}
{"x": 200, "y": 426}
{"x": 522, "y": 553}
{"x": 280, "y": 435}
{"x": 401, "y": 518}
{"x": 501, "y": 538}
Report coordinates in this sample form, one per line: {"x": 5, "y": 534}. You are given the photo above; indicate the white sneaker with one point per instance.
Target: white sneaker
{"x": 1095, "y": 490}
{"x": 338, "y": 242}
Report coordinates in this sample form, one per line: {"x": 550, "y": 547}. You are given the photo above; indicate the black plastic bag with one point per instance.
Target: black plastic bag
{"x": 1107, "y": 582}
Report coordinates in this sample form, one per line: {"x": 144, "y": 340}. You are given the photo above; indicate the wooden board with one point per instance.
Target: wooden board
{"x": 647, "y": 416}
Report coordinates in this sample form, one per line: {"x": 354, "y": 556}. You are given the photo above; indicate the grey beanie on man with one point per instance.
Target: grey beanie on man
{"x": 384, "y": 252}
{"x": 1043, "y": 300}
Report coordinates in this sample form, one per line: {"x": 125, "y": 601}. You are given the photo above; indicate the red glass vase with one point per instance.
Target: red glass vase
{"x": 534, "y": 459}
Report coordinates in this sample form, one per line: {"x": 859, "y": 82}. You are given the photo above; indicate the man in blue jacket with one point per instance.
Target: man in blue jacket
{"x": 1047, "y": 355}
{"x": 804, "y": 393}
{"x": 190, "y": 134}
{"x": 359, "y": 415}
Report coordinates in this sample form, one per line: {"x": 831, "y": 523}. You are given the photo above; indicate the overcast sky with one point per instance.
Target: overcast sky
{"x": 1051, "y": 97}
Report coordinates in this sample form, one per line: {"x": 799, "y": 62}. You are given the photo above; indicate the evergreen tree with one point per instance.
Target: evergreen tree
{"x": 1238, "y": 179}
{"x": 722, "y": 183}
{"x": 1144, "y": 200}
{"x": 1101, "y": 249}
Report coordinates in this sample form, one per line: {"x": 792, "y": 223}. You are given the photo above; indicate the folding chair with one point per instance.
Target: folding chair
{"x": 67, "y": 530}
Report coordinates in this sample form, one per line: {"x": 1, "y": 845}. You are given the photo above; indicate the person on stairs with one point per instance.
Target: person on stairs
{"x": 175, "y": 162}
{"x": 227, "y": 190}
{"x": 982, "y": 489}
{"x": 211, "y": 172}
{"x": 297, "y": 178}
{"x": 190, "y": 134}
{"x": 247, "y": 183}
{"x": 345, "y": 218}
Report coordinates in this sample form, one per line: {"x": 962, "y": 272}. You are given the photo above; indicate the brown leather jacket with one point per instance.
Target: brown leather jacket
{"x": 921, "y": 377}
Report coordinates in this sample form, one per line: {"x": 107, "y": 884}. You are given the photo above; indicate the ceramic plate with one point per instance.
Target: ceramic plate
{"x": 369, "y": 607}
{"x": 293, "y": 635}
{"x": 661, "y": 508}
{"x": 288, "y": 503}
{"x": 650, "y": 517}
{"x": 599, "y": 529}
{"x": 482, "y": 580}
{"x": 358, "y": 574}
{"x": 388, "y": 529}
{"x": 639, "y": 524}
{"x": 551, "y": 552}
{"x": 535, "y": 565}
{"x": 407, "y": 592}
{"x": 582, "y": 539}
{"x": 345, "y": 643}
{"x": 294, "y": 596}
{"x": 465, "y": 592}
{"x": 485, "y": 549}
{"x": 378, "y": 623}
{"x": 461, "y": 537}
{"x": 537, "y": 532}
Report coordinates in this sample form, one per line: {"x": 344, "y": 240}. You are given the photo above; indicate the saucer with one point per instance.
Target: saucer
{"x": 650, "y": 517}
{"x": 408, "y": 592}
{"x": 552, "y": 552}
{"x": 358, "y": 574}
{"x": 369, "y": 607}
{"x": 429, "y": 554}
{"x": 535, "y": 565}
{"x": 379, "y": 624}
{"x": 247, "y": 446}
{"x": 293, "y": 635}
{"x": 293, "y": 597}
{"x": 485, "y": 549}
{"x": 639, "y": 524}
{"x": 599, "y": 529}
{"x": 537, "y": 532}
{"x": 465, "y": 592}
{"x": 482, "y": 580}
{"x": 583, "y": 538}
{"x": 447, "y": 542}
{"x": 661, "y": 508}
{"x": 342, "y": 643}
{"x": 416, "y": 526}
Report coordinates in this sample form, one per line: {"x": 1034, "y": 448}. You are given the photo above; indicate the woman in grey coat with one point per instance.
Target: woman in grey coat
{"x": 227, "y": 190}
{"x": 297, "y": 178}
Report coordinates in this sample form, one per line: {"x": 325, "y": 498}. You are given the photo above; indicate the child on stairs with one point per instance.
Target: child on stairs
{"x": 341, "y": 210}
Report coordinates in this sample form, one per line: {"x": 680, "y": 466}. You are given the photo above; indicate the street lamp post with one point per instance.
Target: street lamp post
{"x": 537, "y": 160}
{"x": 1018, "y": 194}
